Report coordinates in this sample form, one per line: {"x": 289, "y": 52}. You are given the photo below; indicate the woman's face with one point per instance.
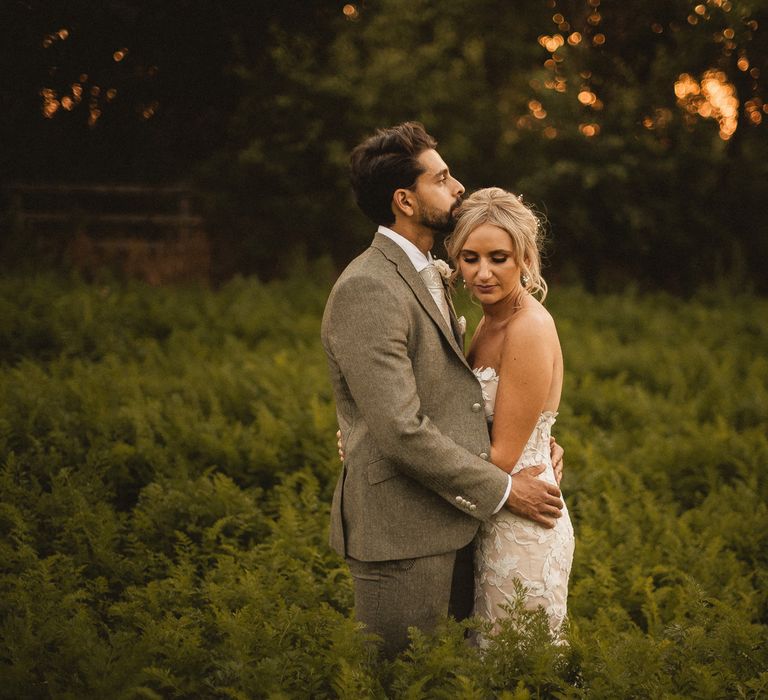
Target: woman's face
{"x": 488, "y": 266}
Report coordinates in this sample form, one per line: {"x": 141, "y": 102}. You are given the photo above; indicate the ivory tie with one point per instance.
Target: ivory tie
{"x": 434, "y": 282}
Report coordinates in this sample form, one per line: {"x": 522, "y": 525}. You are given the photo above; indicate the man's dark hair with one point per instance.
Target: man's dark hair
{"x": 385, "y": 162}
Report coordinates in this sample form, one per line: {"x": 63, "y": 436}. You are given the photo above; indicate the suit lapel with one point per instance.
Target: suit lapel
{"x": 407, "y": 271}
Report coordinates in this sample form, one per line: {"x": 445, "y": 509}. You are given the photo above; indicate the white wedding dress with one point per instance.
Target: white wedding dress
{"x": 510, "y": 547}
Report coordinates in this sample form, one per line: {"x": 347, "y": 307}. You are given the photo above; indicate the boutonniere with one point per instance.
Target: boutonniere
{"x": 443, "y": 268}
{"x": 462, "y": 324}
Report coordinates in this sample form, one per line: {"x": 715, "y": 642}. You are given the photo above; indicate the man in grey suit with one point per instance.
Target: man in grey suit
{"x": 416, "y": 480}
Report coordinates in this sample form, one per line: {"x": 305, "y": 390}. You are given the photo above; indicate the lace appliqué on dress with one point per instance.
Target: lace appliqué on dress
{"x": 509, "y": 547}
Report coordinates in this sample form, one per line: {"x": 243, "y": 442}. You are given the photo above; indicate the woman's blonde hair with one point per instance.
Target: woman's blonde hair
{"x": 495, "y": 206}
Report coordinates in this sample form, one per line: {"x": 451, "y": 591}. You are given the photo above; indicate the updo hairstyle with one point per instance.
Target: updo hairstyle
{"x": 493, "y": 205}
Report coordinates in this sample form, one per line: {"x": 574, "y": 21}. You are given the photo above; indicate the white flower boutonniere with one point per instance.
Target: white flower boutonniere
{"x": 443, "y": 268}
{"x": 462, "y": 323}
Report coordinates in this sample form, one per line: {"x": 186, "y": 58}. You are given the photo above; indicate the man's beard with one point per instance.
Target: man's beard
{"x": 439, "y": 221}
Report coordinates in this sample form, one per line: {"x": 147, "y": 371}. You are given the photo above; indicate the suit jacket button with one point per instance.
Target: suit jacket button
{"x": 483, "y": 455}
{"x": 476, "y": 407}
{"x": 459, "y": 499}
{"x": 473, "y": 507}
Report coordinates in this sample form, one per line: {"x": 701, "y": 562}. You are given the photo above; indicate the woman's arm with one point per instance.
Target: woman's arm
{"x": 525, "y": 379}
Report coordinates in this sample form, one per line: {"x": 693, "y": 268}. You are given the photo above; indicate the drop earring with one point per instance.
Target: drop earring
{"x": 524, "y": 280}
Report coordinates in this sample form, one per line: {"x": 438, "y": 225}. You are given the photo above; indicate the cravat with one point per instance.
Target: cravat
{"x": 434, "y": 282}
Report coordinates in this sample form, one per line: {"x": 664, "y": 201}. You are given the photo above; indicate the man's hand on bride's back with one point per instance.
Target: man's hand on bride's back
{"x": 533, "y": 498}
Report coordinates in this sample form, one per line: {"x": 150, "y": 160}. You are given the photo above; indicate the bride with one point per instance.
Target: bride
{"x": 515, "y": 354}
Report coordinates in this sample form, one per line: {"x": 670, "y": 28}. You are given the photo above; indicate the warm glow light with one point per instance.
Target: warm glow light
{"x": 586, "y": 97}
{"x": 150, "y": 109}
{"x": 119, "y": 56}
{"x": 63, "y": 33}
{"x": 752, "y": 108}
{"x": 83, "y": 77}
{"x": 656, "y": 28}
{"x": 594, "y": 18}
{"x": 559, "y": 84}
{"x": 700, "y": 10}
{"x": 728, "y": 33}
{"x": 752, "y": 24}
{"x": 589, "y": 130}
{"x": 574, "y": 39}
{"x": 713, "y": 98}
{"x": 350, "y": 11}
{"x": 755, "y": 73}
{"x": 111, "y": 94}
{"x": 533, "y": 105}
{"x": 552, "y": 43}
{"x": 47, "y": 42}
{"x": 598, "y": 39}
{"x": 743, "y": 63}
{"x": 558, "y": 18}
{"x": 50, "y": 103}
{"x": 550, "y": 132}
{"x": 67, "y": 103}
{"x": 693, "y": 19}
{"x": 549, "y": 63}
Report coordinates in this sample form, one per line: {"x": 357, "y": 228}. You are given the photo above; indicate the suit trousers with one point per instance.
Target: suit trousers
{"x": 391, "y": 596}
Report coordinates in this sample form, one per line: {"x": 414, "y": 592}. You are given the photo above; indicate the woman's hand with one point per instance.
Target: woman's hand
{"x": 556, "y": 453}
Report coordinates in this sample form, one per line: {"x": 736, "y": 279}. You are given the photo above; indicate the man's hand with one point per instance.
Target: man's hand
{"x": 341, "y": 448}
{"x": 556, "y": 452}
{"x": 533, "y": 498}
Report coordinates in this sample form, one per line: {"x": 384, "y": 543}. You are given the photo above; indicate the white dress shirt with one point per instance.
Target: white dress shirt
{"x": 420, "y": 261}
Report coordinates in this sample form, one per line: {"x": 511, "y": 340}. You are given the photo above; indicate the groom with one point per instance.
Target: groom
{"x": 416, "y": 480}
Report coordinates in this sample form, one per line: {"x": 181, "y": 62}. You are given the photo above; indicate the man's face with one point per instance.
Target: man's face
{"x": 437, "y": 194}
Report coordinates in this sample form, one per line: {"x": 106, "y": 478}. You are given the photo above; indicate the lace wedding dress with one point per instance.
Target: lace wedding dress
{"x": 509, "y": 547}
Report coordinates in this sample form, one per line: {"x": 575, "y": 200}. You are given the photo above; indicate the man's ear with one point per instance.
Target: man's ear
{"x": 402, "y": 202}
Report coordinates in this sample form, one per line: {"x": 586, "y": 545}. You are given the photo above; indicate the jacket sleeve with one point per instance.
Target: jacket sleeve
{"x": 366, "y": 333}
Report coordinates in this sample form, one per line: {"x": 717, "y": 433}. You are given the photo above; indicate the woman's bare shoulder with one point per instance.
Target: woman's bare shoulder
{"x": 532, "y": 319}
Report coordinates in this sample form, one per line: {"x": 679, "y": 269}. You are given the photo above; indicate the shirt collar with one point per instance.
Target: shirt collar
{"x": 419, "y": 260}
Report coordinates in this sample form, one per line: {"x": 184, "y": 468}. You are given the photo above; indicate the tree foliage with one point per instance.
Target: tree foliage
{"x": 638, "y": 128}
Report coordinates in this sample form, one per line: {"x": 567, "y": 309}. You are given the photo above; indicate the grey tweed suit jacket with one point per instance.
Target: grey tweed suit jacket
{"x": 414, "y": 482}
